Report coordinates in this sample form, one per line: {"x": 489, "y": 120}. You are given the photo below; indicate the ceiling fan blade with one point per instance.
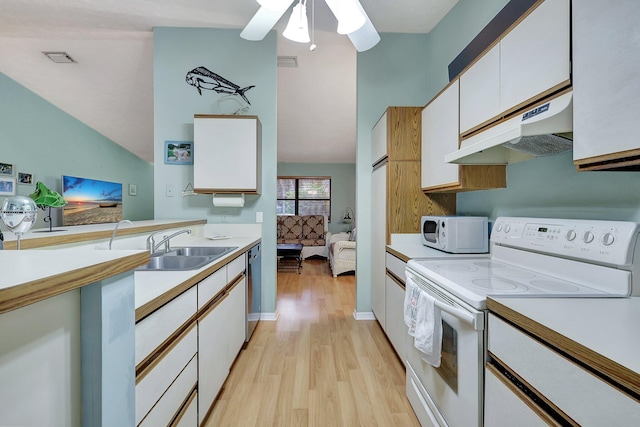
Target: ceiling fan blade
{"x": 263, "y": 21}
{"x": 367, "y": 36}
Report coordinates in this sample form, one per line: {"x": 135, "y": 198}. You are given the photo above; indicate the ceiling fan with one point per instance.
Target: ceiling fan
{"x": 352, "y": 21}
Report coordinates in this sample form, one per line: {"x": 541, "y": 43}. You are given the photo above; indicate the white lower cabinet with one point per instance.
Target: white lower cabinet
{"x": 503, "y": 405}
{"x": 394, "y": 291}
{"x": 221, "y": 334}
{"x": 396, "y": 328}
{"x": 581, "y": 395}
{"x": 155, "y": 329}
{"x": 188, "y": 417}
{"x": 237, "y": 322}
{"x": 212, "y": 354}
{"x": 152, "y": 386}
{"x": 185, "y": 349}
{"x": 166, "y": 409}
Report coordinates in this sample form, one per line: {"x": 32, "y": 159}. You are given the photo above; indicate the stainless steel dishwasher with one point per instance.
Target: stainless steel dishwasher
{"x": 254, "y": 274}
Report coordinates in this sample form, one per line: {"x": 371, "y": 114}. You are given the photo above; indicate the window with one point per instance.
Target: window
{"x": 304, "y": 196}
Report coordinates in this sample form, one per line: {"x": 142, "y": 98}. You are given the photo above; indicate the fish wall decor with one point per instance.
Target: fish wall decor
{"x": 202, "y": 78}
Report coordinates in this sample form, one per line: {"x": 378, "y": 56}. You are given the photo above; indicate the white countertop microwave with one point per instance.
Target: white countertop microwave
{"x": 456, "y": 234}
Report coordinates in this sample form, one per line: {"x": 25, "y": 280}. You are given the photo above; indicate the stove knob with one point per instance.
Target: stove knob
{"x": 499, "y": 227}
{"x": 507, "y": 228}
{"x": 571, "y": 234}
{"x": 588, "y": 237}
{"x": 608, "y": 239}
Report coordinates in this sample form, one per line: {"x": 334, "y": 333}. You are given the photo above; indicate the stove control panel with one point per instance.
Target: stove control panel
{"x": 611, "y": 242}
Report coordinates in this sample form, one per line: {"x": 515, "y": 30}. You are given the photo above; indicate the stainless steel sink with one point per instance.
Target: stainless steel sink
{"x": 176, "y": 263}
{"x": 209, "y": 251}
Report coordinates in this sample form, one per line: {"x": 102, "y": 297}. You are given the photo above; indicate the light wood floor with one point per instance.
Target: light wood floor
{"x": 316, "y": 365}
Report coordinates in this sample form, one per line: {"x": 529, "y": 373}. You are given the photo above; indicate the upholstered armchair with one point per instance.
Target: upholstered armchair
{"x": 342, "y": 253}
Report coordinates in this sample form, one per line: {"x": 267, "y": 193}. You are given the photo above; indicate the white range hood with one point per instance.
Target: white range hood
{"x": 543, "y": 130}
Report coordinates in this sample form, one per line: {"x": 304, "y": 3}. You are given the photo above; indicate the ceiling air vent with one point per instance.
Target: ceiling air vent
{"x": 59, "y": 57}
{"x": 288, "y": 61}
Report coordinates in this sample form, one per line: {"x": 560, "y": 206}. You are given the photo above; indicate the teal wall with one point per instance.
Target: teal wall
{"x": 177, "y": 51}
{"x": 39, "y": 138}
{"x": 552, "y": 187}
{"x": 404, "y": 69}
{"x": 343, "y": 186}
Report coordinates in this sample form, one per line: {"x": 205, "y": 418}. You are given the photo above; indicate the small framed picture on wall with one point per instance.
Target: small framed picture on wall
{"x": 178, "y": 152}
{"x": 7, "y": 186}
{"x": 25, "y": 178}
{"x": 6, "y": 169}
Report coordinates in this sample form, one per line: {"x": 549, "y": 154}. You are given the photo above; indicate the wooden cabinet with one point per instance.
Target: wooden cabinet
{"x": 606, "y": 95}
{"x": 227, "y": 154}
{"x": 441, "y": 136}
{"x": 529, "y": 62}
{"x": 397, "y": 202}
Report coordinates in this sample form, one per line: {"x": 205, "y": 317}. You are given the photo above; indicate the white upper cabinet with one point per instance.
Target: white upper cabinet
{"x": 440, "y": 136}
{"x": 227, "y": 154}
{"x": 535, "y": 56}
{"x": 606, "y": 95}
{"x": 480, "y": 85}
{"x": 530, "y": 62}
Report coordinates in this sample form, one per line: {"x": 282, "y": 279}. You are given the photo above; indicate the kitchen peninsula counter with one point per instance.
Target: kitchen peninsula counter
{"x": 40, "y": 238}
{"x": 32, "y": 276}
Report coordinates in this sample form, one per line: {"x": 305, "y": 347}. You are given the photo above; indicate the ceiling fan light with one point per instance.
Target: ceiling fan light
{"x": 349, "y": 17}
{"x": 274, "y": 5}
{"x": 298, "y": 28}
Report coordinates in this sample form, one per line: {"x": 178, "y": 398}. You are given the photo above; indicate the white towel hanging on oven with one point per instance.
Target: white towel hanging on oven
{"x": 428, "y": 331}
{"x": 411, "y": 296}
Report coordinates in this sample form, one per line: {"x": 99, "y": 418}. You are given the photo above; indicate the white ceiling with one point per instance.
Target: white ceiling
{"x": 110, "y": 89}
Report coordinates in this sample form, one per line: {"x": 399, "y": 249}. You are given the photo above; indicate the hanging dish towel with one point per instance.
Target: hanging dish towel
{"x": 428, "y": 329}
{"x": 411, "y": 296}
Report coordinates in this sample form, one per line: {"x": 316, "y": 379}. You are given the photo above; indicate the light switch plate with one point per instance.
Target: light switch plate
{"x": 170, "y": 191}
{"x": 258, "y": 216}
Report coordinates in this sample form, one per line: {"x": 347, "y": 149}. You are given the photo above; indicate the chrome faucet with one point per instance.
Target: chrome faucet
{"x": 152, "y": 246}
{"x": 113, "y": 235}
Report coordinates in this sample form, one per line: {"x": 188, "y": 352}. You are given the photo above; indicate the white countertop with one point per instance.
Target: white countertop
{"x": 607, "y": 326}
{"x": 20, "y": 267}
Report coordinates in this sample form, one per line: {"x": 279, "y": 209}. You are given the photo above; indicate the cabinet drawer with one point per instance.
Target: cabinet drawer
{"x": 171, "y": 401}
{"x": 502, "y": 406}
{"x": 396, "y": 266}
{"x": 155, "y": 383}
{"x": 396, "y": 328}
{"x": 236, "y": 267}
{"x": 210, "y": 286}
{"x": 188, "y": 417}
{"x": 580, "y": 394}
{"x": 154, "y": 329}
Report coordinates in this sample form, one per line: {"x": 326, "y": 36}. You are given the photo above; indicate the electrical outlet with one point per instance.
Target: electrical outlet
{"x": 170, "y": 191}
{"x": 258, "y": 216}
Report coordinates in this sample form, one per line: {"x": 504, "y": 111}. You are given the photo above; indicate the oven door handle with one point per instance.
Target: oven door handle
{"x": 463, "y": 315}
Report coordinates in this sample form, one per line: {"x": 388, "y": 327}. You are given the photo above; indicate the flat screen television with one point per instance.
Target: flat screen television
{"x": 90, "y": 201}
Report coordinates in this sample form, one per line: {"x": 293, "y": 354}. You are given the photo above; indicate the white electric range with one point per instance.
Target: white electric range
{"x": 530, "y": 257}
